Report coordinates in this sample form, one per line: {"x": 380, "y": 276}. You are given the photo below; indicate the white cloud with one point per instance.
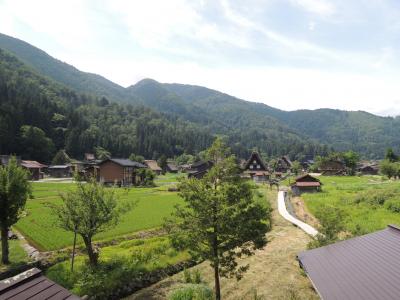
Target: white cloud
{"x": 153, "y": 30}
{"x": 319, "y": 7}
{"x": 65, "y": 22}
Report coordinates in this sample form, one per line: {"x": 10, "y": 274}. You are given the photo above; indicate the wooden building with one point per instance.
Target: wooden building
{"x": 255, "y": 168}
{"x": 172, "y": 168}
{"x": 306, "y": 184}
{"x": 284, "y": 164}
{"x": 60, "y": 171}
{"x": 368, "y": 169}
{"x": 4, "y": 159}
{"x": 332, "y": 168}
{"x": 119, "y": 171}
{"x": 199, "y": 169}
{"x": 35, "y": 168}
{"x": 32, "y": 284}
{"x": 153, "y": 165}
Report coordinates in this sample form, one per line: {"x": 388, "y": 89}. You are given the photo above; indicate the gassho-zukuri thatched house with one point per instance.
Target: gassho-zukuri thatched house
{"x": 306, "y": 184}
{"x": 255, "y": 168}
{"x": 362, "y": 268}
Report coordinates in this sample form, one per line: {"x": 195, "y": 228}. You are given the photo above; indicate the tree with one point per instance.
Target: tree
{"x": 390, "y": 155}
{"x": 162, "y": 162}
{"x": 296, "y": 168}
{"x": 35, "y": 144}
{"x": 14, "y": 191}
{"x": 331, "y": 221}
{"x": 137, "y": 158}
{"x": 88, "y": 210}
{"x": 146, "y": 177}
{"x": 208, "y": 224}
{"x": 61, "y": 158}
{"x": 351, "y": 159}
{"x": 388, "y": 168}
{"x": 102, "y": 153}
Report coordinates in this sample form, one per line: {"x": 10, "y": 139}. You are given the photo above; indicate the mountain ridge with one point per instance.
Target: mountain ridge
{"x": 223, "y": 114}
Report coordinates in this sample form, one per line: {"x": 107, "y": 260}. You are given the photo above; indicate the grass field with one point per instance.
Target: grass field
{"x": 17, "y": 256}
{"x": 152, "y": 206}
{"x": 274, "y": 271}
{"x": 117, "y": 264}
{"x": 361, "y": 198}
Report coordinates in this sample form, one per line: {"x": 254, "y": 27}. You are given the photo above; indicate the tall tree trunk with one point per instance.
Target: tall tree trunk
{"x": 216, "y": 269}
{"x": 4, "y": 246}
{"x": 93, "y": 257}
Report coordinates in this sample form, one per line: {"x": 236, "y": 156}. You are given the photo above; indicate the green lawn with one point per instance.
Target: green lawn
{"x": 357, "y": 197}
{"x": 18, "y": 256}
{"x": 117, "y": 264}
{"x": 39, "y": 225}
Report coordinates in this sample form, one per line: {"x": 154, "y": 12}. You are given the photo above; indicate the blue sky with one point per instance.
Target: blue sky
{"x": 290, "y": 54}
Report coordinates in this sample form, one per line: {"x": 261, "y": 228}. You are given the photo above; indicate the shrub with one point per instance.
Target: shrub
{"x": 192, "y": 292}
{"x": 393, "y": 205}
{"x": 375, "y": 198}
{"x": 192, "y": 277}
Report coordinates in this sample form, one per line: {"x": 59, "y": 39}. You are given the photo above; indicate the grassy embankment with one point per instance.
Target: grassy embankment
{"x": 369, "y": 202}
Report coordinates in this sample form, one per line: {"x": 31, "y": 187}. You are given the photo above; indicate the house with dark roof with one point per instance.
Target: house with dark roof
{"x": 283, "y": 165}
{"x": 172, "y": 168}
{"x": 4, "y": 159}
{"x": 199, "y": 169}
{"x": 332, "y": 167}
{"x": 32, "y": 284}
{"x": 60, "y": 171}
{"x": 306, "y": 184}
{"x": 255, "y": 168}
{"x": 119, "y": 171}
{"x": 368, "y": 168}
{"x": 362, "y": 268}
{"x": 153, "y": 165}
{"x": 34, "y": 168}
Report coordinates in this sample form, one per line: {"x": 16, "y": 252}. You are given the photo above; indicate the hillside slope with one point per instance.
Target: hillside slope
{"x": 246, "y": 124}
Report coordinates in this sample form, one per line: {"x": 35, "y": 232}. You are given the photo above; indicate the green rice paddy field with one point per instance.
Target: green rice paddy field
{"x": 152, "y": 206}
{"x": 364, "y": 200}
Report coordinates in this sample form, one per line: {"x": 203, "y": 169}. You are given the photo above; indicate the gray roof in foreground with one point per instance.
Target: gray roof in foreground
{"x": 32, "y": 284}
{"x": 365, "y": 267}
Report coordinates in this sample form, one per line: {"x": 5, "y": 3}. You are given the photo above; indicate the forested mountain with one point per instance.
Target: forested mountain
{"x": 245, "y": 124}
{"x": 39, "y": 116}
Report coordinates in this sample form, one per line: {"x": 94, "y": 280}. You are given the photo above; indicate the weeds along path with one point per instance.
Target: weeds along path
{"x": 274, "y": 271}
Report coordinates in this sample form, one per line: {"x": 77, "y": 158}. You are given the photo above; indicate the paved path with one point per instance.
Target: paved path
{"x": 284, "y": 213}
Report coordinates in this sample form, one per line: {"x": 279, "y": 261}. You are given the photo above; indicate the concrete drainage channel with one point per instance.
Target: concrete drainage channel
{"x": 286, "y": 215}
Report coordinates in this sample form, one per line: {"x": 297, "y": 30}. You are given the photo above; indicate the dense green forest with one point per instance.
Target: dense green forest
{"x": 78, "y": 111}
{"x": 39, "y": 116}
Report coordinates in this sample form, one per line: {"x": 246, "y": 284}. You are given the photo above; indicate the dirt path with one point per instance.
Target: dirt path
{"x": 274, "y": 271}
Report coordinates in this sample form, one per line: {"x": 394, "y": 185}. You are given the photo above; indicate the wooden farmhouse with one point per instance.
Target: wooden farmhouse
{"x": 255, "y": 168}
{"x": 306, "y": 184}
{"x": 119, "y": 171}
{"x": 152, "y": 165}
{"x": 332, "y": 168}
{"x": 172, "y": 168}
{"x": 284, "y": 165}
{"x": 368, "y": 169}
{"x": 60, "y": 171}
{"x": 35, "y": 168}
{"x": 199, "y": 169}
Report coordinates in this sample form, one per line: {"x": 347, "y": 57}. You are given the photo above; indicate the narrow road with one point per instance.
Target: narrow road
{"x": 285, "y": 214}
